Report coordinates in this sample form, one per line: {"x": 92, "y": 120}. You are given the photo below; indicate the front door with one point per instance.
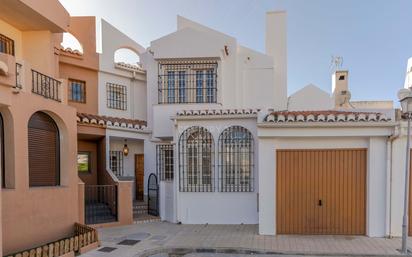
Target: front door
{"x": 139, "y": 175}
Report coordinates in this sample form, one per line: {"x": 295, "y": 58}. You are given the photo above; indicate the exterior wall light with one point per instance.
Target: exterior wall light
{"x": 125, "y": 148}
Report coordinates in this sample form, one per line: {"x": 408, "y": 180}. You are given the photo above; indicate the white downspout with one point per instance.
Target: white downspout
{"x": 389, "y": 154}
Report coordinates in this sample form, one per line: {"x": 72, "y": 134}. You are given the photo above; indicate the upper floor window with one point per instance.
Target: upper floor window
{"x": 6, "y": 45}
{"x": 77, "y": 91}
{"x": 187, "y": 82}
{"x": 116, "y": 96}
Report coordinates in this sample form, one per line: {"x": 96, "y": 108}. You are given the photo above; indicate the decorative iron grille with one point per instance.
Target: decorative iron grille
{"x": 165, "y": 162}
{"x": 77, "y": 91}
{"x": 6, "y": 45}
{"x": 45, "y": 86}
{"x": 116, "y": 96}
{"x": 18, "y": 75}
{"x": 116, "y": 163}
{"x": 196, "y": 150}
{"x": 236, "y": 160}
{"x": 187, "y": 82}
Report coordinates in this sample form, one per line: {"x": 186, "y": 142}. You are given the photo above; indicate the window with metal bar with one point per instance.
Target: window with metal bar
{"x": 165, "y": 162}
{"x": 116, "y": 163}
{"x": 116, "y": 96}
{"x": 77, "y": 91}
{"x": 236, "y": 160}
{"x": 196, "y": 149}
{"x": 6, "y": 45}
{"x": 18, "y": 75}
{"x": 187, "y": 82}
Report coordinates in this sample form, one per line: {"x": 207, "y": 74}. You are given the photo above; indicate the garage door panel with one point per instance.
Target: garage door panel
{"x": 321, "y": 191}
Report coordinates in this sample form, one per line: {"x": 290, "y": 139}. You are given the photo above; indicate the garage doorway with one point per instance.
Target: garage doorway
{"x": 321, "y": 191}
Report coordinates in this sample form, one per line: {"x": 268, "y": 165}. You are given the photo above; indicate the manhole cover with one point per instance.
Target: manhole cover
{"x": 107, "y": 249}
{"x": 129, "y": 242}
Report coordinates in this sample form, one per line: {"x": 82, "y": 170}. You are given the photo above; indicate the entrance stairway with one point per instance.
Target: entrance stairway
{"x": 97, "y": 213}
{"x": 140, "y": 214}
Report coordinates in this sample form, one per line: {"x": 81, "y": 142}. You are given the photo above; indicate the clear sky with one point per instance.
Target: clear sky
{"x": 374, "y": 37}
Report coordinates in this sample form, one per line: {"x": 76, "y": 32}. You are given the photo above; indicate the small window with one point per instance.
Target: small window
{"x": 6, "y": 45}
{"x": 84, "y": 162}
{"x": 116, "y": 163}
{"x": 342, "y": 77}
{"x": 116, "y": 96}
{"x": 77, "y": 91}
{"x": 165, "y": 162}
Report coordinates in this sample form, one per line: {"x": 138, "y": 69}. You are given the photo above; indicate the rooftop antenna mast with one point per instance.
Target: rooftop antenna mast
{"x": 336, "y": 63}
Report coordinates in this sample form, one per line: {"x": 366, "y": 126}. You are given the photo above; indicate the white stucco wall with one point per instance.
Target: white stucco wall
{"x": 135, "y": 82}
{"x": 245, "y": 77}
{"x": 374, "y": 139}
{"x": 217, "y": 207}
{"x": 310, "y": 98}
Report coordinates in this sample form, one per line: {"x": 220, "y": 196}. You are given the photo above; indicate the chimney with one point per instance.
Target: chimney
{"x": 276, "y": 46}
{"x": 408, "y": 79}
{"x": 340, "y": 89}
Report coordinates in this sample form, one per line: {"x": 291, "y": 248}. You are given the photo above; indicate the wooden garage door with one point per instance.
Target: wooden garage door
{"x": 321, "y": 191}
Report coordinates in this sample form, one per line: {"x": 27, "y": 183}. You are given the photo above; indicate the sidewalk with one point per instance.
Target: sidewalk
{"x": 159, "y": 237}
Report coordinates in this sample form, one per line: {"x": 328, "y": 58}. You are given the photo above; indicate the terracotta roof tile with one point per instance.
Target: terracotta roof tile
{"x": 218, "y": 112}
{"x": 102, "y": 120}
{"x": 325, "y": 116}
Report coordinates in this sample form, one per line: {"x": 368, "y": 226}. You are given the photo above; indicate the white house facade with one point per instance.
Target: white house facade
{"x": 213, "y": 121}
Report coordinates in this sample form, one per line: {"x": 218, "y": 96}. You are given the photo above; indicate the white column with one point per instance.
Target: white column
{"x": 267, "y": 187}
{"x": 376, "y": 187}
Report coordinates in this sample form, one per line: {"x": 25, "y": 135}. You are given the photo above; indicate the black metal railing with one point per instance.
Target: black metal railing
{"x": 18, "y": 75}
{"x": 100, "y": 204}
{"x": 6, "y": 45}
{"x": 45, "y": 86}
{"x": 187, "y": 83}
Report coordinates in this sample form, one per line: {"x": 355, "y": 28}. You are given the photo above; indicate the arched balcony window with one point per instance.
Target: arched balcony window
{"x": 236, "y": 160}
{"x": 196, "y": 149}
{"x": 44, "y": 153}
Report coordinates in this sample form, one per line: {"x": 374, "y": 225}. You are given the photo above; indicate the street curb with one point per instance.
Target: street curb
{"x": 248, "y": 251}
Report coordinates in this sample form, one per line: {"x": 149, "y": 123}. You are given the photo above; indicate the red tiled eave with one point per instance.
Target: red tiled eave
{"x": 325, "y": 116}
{"x": 107, "y": 121}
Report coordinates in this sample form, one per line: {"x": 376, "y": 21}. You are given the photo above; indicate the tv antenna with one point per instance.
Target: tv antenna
{"x": 336, "y": 63}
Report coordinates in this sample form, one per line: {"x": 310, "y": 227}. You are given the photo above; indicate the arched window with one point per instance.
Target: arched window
{"x": 70, "y": 41}
{"x": 196, "y": 150}
{"x": 236, "y": 160}
{"x": 125, "y": 55}
{"x": 2, "y": 164}
{"x": 44, "y": 156}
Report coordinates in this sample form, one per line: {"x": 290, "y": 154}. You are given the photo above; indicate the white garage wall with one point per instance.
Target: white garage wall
{"x": 376, "y": 176}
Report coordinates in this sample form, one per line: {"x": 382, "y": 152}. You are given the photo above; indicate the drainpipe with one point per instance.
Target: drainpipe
{"x": 389, "y": 155}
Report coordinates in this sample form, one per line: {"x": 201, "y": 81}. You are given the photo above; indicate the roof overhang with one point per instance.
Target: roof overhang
{"x": 29, "y": 15}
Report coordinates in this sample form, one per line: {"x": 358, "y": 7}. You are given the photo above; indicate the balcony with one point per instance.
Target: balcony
{"x": 45, "y": 86}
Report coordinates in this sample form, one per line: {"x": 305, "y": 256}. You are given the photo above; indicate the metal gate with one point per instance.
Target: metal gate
{"x": 152, "y": 195}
